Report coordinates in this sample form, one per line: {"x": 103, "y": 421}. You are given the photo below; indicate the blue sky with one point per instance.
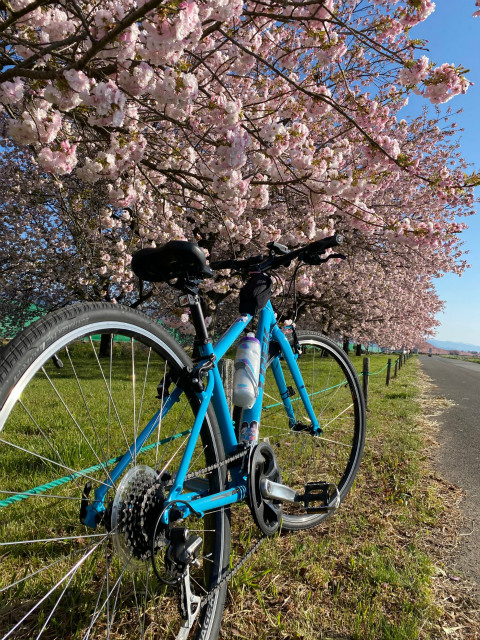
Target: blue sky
{"x": 454, "y": 37}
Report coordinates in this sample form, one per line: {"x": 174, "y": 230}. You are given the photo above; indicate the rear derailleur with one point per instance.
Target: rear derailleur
{"x": 181, "y": 553}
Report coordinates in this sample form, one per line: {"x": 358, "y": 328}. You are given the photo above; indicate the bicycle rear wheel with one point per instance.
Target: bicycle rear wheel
{"x": 76, "y": 389}
{"x": 333, "y": 456}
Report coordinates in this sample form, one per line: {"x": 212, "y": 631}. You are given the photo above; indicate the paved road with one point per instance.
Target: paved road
{"x": 459, "y": 437}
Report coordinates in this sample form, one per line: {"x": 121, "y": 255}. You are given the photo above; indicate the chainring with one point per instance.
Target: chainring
{"x": 266, "y": 512}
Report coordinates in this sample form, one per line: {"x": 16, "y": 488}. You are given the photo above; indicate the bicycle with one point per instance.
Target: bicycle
{"x": 110, "y": 519}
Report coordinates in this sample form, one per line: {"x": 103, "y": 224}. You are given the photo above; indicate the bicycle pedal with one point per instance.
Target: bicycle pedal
{"x": 301, "y": 426}
{"x": 323, "y": 492}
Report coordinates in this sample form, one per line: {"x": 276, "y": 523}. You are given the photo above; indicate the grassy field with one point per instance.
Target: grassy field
{"x": 466, "y": 358}
{"x": 368, "y": 572}
{"x": 372, "y": 571}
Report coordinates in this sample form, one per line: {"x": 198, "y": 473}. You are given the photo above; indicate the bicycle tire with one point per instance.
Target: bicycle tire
{"x": 337, "y": 399}
{"x": 52, "y": 451}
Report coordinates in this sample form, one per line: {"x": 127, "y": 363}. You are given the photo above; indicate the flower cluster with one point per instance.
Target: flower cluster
{"x": 234, "y": 124}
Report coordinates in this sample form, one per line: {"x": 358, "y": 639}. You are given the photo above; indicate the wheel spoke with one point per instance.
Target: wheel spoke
{"x": 176, "y": 431}
{"x": 324, "y": 426}
{"x": 109, "y": 390}
{"x": 72, "y": 571}
{"x": 87, "y": 441}
{"x": 67, "y": 420}
{"x": 144, "y": 388}
{"x": 46, "y": 568}
{"x": 335, "y": 396}
{"x": 134, "y": 404}
{"x": 37, "y": 540}
{"x": 87, "y": 408}
{"x": 159, "y": 427}
{"x": 26, "y": 494}
{"x": 97, "y": 612}
{"x": 74, "y": 473}
{"x": 48, "y": 441}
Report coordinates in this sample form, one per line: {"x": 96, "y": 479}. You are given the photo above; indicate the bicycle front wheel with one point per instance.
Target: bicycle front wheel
{"x": 332, "y": 456}
{"x": 76, "y": 390}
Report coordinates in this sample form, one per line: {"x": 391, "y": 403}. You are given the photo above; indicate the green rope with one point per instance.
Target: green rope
{"x": 278, "y": 404}
{"x": 374, "y": 373}
{"x": 78, "y": 474}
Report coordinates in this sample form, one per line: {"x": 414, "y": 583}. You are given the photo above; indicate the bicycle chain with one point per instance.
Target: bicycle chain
{"x": 218, "y": 465}
{"x": 231, "y": 572}
{"x": 234, "y": 570}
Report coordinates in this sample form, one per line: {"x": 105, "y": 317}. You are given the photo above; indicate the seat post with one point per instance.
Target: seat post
{"x": 194, "y": 302}
{"x": 198, "y": 320}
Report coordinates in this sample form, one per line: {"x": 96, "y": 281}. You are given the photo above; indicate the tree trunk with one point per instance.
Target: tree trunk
{"x": 346, "y": 343}
{"x": 105, "y": 345}
{"x": 358, "y": 350}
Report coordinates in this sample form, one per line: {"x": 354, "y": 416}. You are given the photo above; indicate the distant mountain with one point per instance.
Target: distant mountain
{"x": 454, "y": 346}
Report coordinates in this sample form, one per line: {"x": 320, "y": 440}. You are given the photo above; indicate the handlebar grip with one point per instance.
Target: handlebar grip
{"x": 333, "y": 241}
{"x": 221, "y": 264}
{"x": 236, "y": 264}
{"x": 325, "y": 243}
{"x": 320, "y": 246}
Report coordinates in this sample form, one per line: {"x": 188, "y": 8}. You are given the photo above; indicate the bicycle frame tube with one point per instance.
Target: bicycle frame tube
{"x": 291, "y": 360}
{"x": 219, "y": 401}
{"x": 266, "y": 323}
{"x": 267, "y": 331}
{"x": 216, "y": 393}
{"x": 98, "y": 506}
{"x": 213, "y": 392}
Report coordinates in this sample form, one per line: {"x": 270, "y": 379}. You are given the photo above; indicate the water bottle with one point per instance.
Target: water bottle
{"x": 247, "y": 368}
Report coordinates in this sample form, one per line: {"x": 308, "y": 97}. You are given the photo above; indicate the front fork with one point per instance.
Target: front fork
{"x": 285, "y": 393}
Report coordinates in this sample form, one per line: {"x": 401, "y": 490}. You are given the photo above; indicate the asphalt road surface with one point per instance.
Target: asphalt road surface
{"x": 459, "y": 456}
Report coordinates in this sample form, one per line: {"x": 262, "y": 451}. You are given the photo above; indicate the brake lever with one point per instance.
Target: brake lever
{"x": 315, "y": 260}
{"x": 335, "y": 255}
{"x": 278, "y": 249}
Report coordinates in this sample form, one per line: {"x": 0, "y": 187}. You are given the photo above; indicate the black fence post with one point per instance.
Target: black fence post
{"x": 366, "y": 371}
{"x": 389, "y": 371}
{"x": 396, "y": 368}
{"x": 400, "y": 361}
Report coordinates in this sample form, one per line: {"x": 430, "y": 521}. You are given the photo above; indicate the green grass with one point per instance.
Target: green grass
{"x": 466, "y": 358}
{"x": 363, "y": 574}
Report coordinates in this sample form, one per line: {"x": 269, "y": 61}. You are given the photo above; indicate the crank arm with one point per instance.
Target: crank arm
{"x": 277, "y": 491}
{"x": 322, "y": 492}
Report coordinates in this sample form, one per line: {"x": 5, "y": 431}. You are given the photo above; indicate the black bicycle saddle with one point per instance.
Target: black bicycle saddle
{"x": 176, "y": 259}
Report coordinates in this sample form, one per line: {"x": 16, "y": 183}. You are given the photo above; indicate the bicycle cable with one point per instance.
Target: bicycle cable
{"x": 286, "y": 294}
{"x": 246, "y": 556}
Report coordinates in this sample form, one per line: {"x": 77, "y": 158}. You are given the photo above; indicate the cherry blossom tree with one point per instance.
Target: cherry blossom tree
{"x": 233, "y": 124}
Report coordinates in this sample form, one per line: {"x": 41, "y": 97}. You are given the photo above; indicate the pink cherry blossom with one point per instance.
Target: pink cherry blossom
{"x": 233, "y": 124}
{"x": 12, "y": 92}
{"x": 60, "y": 161}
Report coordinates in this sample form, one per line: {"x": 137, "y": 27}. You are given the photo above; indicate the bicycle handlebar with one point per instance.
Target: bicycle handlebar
{"x": 307, "y": 253}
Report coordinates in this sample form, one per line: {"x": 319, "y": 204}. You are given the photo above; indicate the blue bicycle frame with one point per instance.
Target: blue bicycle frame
{"x": 193, "y": 501}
